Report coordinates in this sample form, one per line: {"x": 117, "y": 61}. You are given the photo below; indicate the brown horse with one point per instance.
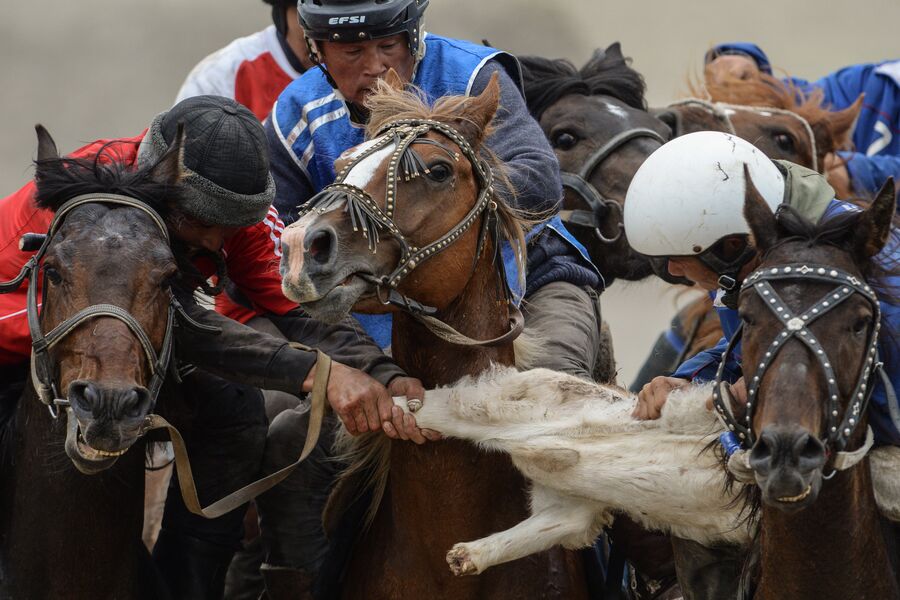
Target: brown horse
{"x": 65, "y": 534}
{"x": 810, "y": 325}
{"x": 421, "y": 193}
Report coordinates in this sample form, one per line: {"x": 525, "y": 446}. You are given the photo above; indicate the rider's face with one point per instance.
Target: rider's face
{"x": 693, "y": 269}
{"x": 199, "y": 235}
{"x": 355, "y": 66}
{"x": 731, "y": 66}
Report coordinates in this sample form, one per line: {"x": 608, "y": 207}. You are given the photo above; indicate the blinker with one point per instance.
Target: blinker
{"x": 32, "y": 242}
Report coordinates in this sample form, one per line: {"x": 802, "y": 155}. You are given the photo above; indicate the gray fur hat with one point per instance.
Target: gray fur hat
{"x": 226, "y": 159}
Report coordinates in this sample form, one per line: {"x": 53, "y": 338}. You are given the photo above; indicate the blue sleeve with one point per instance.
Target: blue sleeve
{"x": 519, "y": 142}
{"x": 751, "y": 50}
{"x": 704, "y": 365}
{"x": 868, "y": 173}
{"x": 844, "y": 86}
{"x": 292, "y": 188}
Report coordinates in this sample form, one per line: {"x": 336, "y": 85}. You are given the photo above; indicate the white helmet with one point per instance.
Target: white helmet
{"x": 689, "y": 193}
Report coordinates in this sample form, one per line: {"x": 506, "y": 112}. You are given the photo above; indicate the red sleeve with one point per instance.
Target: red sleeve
{"x": 252, "y": 257}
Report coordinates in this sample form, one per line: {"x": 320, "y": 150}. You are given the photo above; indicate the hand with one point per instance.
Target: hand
{"x": 738, "y": 392}
{"x": 354, "y": 396}
{"x": 652, "y": 397}
{"x": 838, "y": 176}
{"x": 399, "y": 424}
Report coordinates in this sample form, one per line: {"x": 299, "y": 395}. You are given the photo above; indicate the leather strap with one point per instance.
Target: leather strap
{"x": 449, "y": 334}
{"x": 318, "y": 399}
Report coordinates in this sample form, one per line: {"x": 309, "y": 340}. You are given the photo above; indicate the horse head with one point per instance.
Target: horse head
{"x": 407, "y": 214}
{"x": 106, "y": 269}
{"x": 810, "y": 324}
{"x": 596, "y": 120}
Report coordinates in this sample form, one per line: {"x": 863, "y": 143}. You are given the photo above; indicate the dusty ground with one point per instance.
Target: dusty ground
{"x": 97, "y": 68}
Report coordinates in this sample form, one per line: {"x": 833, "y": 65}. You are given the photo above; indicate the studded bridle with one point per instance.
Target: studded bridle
{"x": 796, "y": 326}
{"x": 405, "y": 164}
{"x": 600, "y": 207}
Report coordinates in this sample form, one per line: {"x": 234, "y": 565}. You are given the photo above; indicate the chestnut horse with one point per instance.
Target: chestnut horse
{"x": 71, "y": 527}
{"x": 413, "y": 227}
{"x": 810, "y": 328}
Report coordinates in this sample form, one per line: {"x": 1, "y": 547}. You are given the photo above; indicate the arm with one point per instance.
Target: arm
{"x": 868, "y": 173}
{"x": 519, "y": 142}
{"x": 292, "y": 186}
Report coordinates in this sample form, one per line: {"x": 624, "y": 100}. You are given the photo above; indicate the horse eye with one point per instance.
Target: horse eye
{"x": 439, "y": 172}
{"x": 861, "y": 325}
{"x": 784, "y": 142}
{"x": 53, "y": 275}
{"x": 746, "y": 319}
{"x": 564, "y": 140}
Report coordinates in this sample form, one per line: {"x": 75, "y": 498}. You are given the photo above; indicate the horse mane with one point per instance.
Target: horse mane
{"x": 767, "y": 91}
{"x": 607, "y": 73}
{"x": 388, "y": 104}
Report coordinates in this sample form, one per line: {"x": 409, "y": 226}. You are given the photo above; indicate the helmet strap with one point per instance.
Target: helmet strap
{"x": 729, "y": 273}
{"x": 279, "y": 18}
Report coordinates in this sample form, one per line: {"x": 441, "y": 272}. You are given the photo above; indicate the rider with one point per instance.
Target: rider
{"x": 685, "y": 206}
{"x": 227, "y": 224}
{"x": 318, "y": 117}
{"x": 876, "y": 136}
{"x": 254, "y": 69}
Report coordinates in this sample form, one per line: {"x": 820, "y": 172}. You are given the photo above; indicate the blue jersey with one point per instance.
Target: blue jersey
{"x": 876, "y": 137}
{"x": 704, "y": 365}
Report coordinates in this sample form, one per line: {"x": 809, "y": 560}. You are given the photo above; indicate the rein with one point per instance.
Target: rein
{"x": 720, "y": 111}
{"x": 160, "y": 362}
{"x": 369, "y": 219}
{"x": 838, "y": 429}
{"x": 600, "y": 206}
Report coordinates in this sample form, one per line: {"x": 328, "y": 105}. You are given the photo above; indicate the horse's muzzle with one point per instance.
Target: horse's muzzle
{"x": 788, "y": 464}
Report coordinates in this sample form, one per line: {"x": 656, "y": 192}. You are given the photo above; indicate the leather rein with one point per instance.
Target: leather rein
{"x": 796, "y": 326}
{"x": 160, "y": 361}
{"x": 370, "y": 220}
{"x": 600, "y": 207}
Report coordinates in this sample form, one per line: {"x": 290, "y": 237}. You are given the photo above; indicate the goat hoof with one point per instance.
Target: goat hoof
{"x": 460, "y": 561}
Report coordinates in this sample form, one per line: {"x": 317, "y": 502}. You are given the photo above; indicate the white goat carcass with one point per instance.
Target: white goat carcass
{"x": 587, "y": 458}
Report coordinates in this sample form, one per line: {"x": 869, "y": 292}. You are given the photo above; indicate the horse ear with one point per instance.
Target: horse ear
{"x": 46, "y": 146}
{"x": 392, "y": 78}
{"x": 615, "y": 50}
{"x": 170, "y": 167}
{"x": 478, "y": 112}
{"x": 759, "y": 216}
{"x": 843, "y": 122}
{"x": 874, "y": 226}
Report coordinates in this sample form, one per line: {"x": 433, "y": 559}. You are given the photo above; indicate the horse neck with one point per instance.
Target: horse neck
{"x": 480, "y": 312}
{"x": 65, "y": 534}
{"x": 832, "y": 549}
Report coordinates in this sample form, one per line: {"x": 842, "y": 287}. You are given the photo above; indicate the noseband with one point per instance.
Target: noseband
{"x": 41, "y": 343}
{"x": 600, "y": 206}
{"x": 846, "y": 285}
{"x": 369, "y": 219}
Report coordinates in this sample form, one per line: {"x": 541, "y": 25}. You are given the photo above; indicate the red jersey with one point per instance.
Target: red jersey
{"x": 253, "y": 70}
{"x": 251, "y": 255}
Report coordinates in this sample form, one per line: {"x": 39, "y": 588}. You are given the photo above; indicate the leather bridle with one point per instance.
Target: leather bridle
{"x": 600, "y": 206}
{"x": 838, "y": 429}
{"x": 370, "y": 220}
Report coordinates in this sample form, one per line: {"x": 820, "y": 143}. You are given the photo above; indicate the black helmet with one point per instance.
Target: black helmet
{"x": 354, "y": 20}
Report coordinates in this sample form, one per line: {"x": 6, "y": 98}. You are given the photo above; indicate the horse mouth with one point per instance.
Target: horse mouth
{"x": 87, "y": 459}
{"x": 337, "y": 301}
{"x": 798, "y": 498}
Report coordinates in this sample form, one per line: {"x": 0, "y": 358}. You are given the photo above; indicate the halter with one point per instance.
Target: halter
{"x": 369, "y": 219}
{"x": 720, "y": 111}
{"x": 846, "y": 285}
{"x": 600, "y": 205}
{"x": 41, "y": 365}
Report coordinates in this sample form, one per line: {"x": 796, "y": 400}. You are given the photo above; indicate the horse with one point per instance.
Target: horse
{"x": 412, "y": 227}
{"x": 102, "y": 339}
{"x": 596, "y": 119}
{"x": 811, "y": 324}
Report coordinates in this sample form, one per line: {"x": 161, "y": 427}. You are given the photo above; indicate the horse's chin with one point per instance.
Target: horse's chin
{"x": 86, "y": 459}
{"x": 337, "y": 302}
{"x": 791, "y": 494}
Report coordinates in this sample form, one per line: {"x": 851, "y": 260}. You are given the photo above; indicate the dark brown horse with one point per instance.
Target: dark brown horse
{"x": 810, "y": 324}
{"x": 66, "y": 534}
{"x": 439, "y": 225}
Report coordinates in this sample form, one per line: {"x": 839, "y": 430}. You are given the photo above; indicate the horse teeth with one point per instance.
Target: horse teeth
{"x": 801, "y": 496}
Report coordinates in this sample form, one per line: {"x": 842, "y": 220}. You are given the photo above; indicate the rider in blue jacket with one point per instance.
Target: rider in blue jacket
{"x": 876, "y": 138}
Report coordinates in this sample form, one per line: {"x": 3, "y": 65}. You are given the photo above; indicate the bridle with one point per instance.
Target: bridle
{"x": 42, "y": 371}
{"x": 370, "y": 220}
{"x": 720, "y": 111}
{"x": 839, "y": 428}
{"x": 600, "y": 206}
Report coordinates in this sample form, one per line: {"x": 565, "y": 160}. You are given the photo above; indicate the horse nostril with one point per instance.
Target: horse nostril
{"x": 319, "y": 245}
{"x": 810, "y": 453}
{"x": 135, "y": 402}
{"x": 84, "y": 395}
